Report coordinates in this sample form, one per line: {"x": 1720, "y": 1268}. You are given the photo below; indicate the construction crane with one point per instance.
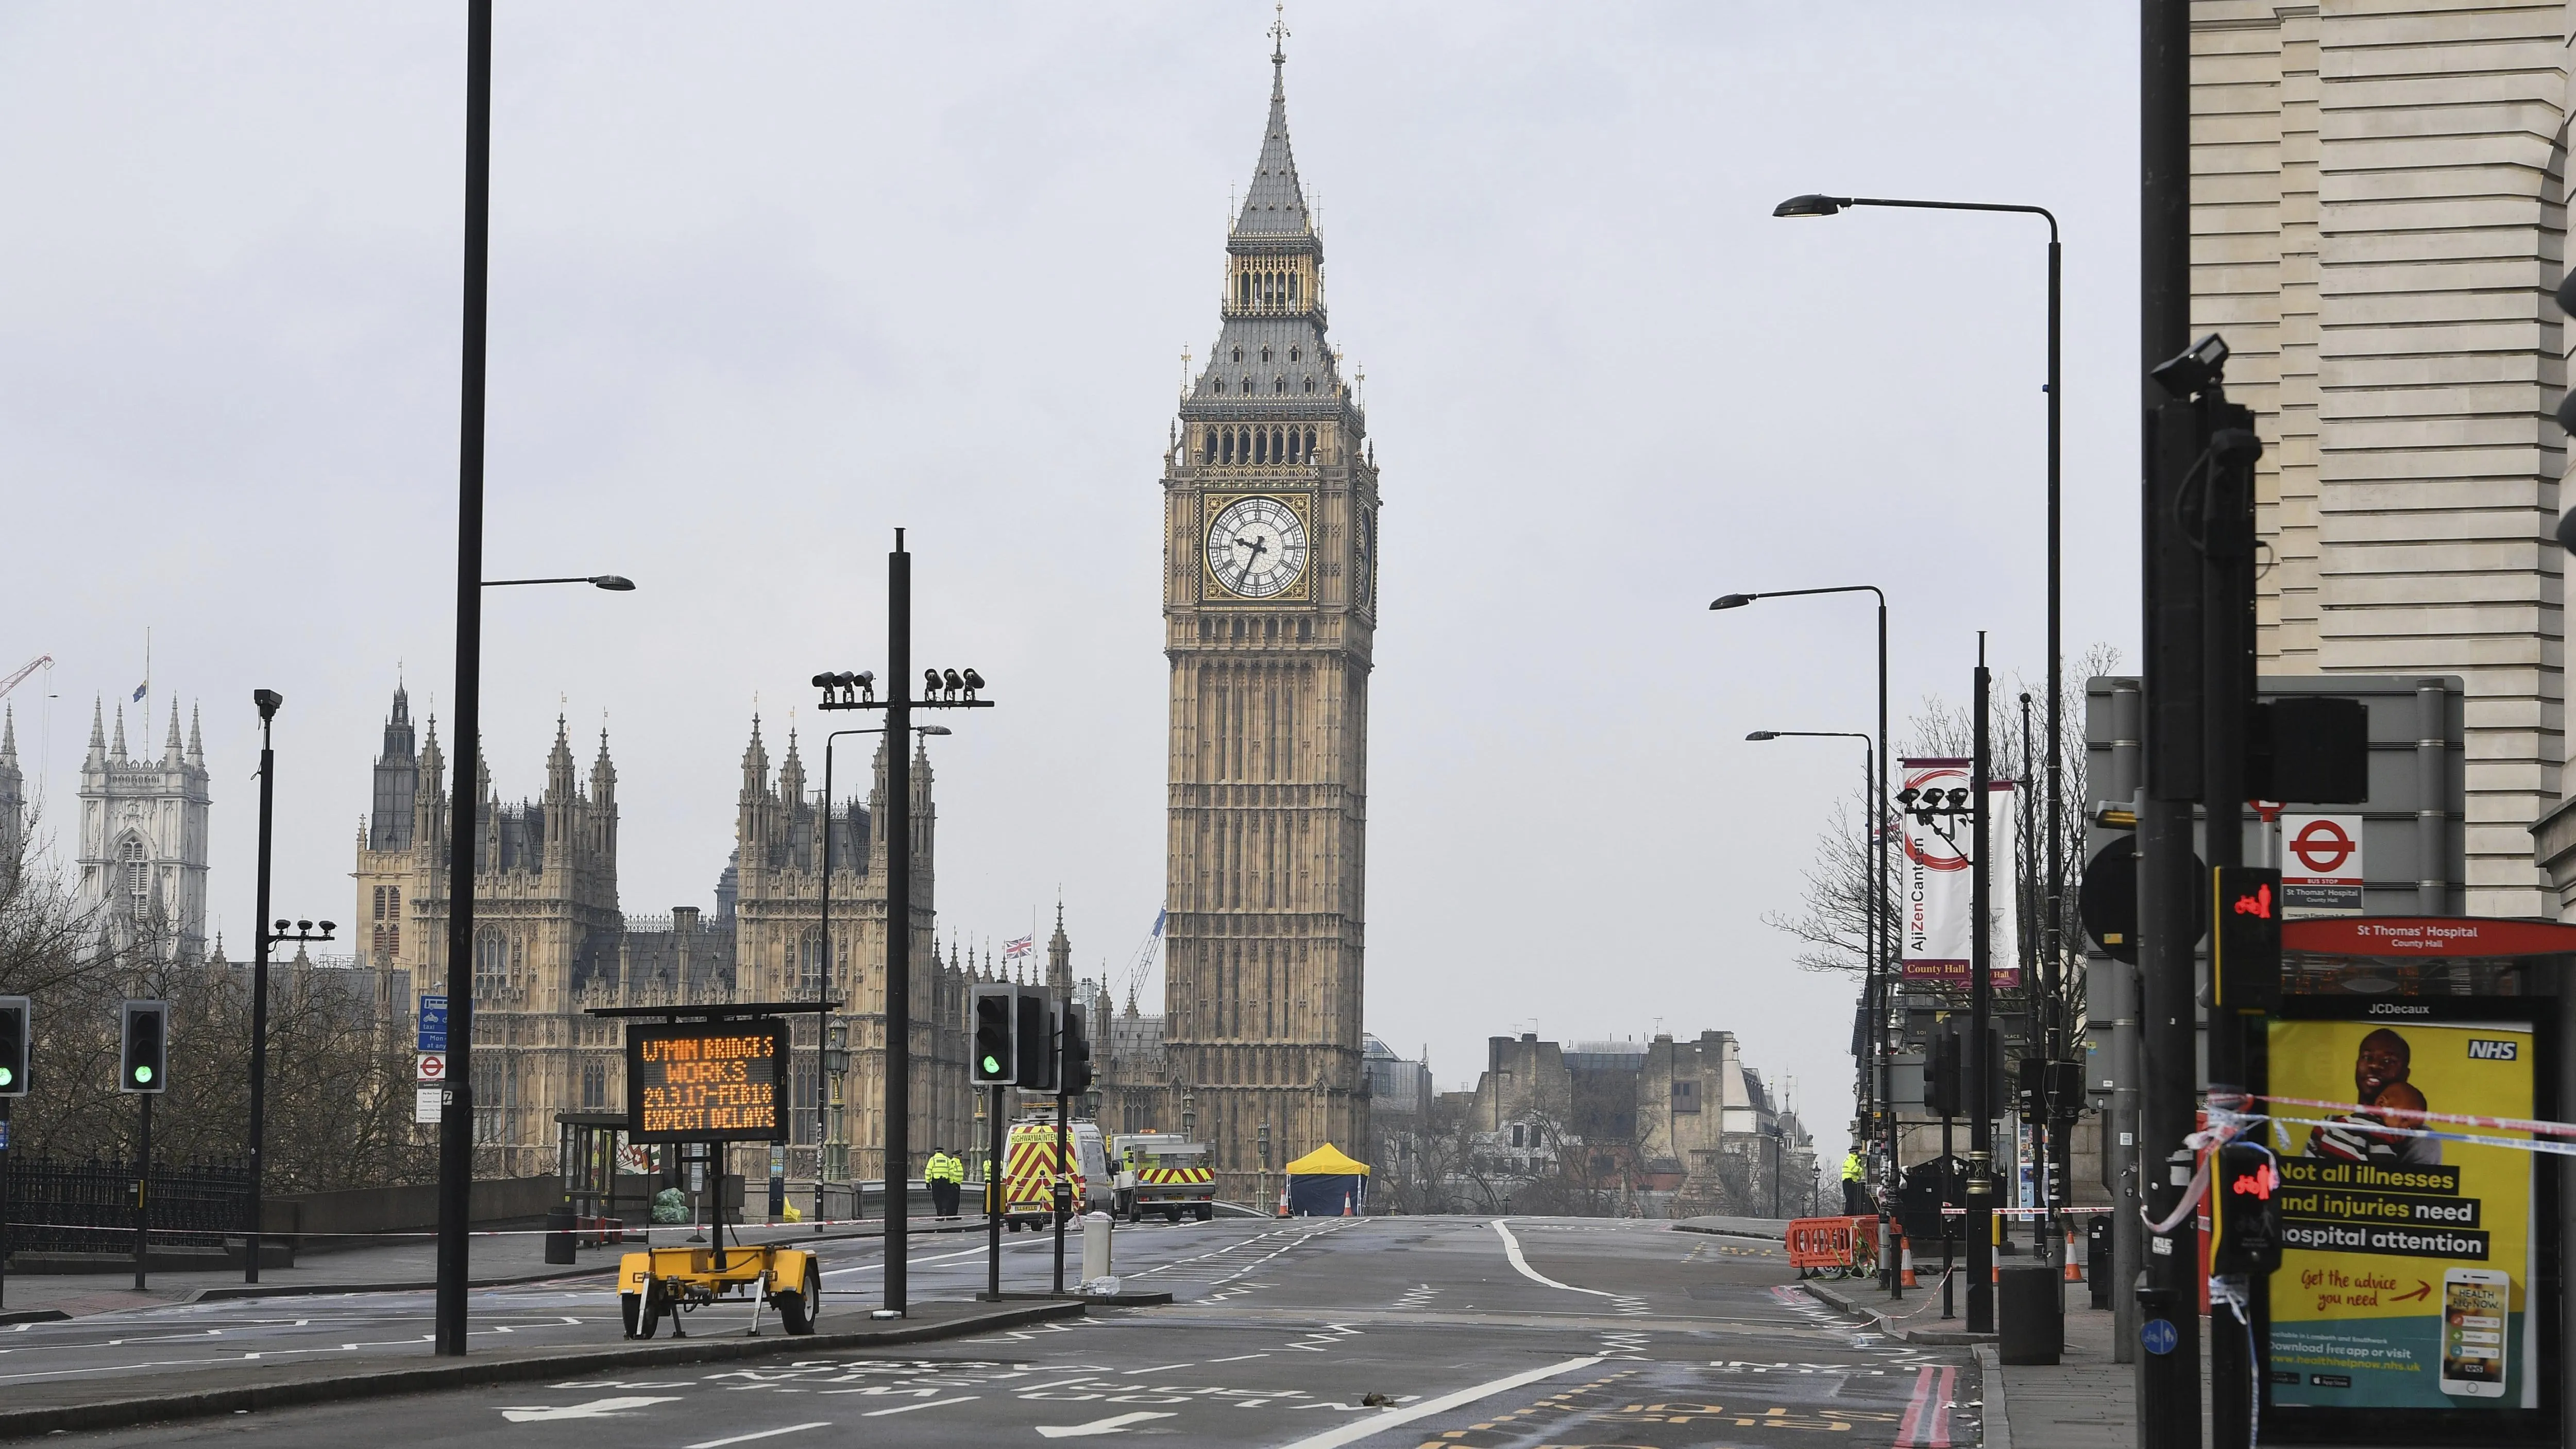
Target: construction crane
{"x": 41, "y": 661}
{"x": 1139, "y": 968}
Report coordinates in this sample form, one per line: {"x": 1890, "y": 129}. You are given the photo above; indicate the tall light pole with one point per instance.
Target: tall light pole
{"x": 1877, "y": 901}
{"x": 267, "y": 701}
{"x": 456, "y": 1111}
{"x": 2051, "y": 947}
{"x": 1879, "y": 970}
{"x": 845, "y": 684}
{"x": 940, "y": 689}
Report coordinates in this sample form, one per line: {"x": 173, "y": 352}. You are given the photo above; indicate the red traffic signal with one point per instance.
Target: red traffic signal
{"x": 2245, "y": 937}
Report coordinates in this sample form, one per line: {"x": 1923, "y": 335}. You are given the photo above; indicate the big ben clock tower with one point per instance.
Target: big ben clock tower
{"x": 1269, "y": 609}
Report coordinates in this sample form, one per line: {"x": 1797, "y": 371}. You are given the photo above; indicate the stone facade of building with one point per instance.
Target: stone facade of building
{"x": 2378, "y": 222}
{"x": 551, "y": 942}
{"x": 143, "y": 838}
{"x": 1269, "y": 607}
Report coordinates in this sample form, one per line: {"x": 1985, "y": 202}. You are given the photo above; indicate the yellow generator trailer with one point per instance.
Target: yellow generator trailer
{"x": 667, "y": 1282}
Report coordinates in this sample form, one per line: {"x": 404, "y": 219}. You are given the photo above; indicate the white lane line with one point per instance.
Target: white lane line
{"x": 763, "y": 1434}
{"x": 1358, "y": 1429}
{"x": 915, "y": 1262}
{"x": 1115, "y": 1424}
{"x": 908, "y": 1408}
{"x": 1512, "y": 1247}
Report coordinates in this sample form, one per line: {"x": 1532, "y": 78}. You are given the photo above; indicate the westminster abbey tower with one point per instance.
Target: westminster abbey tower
{"x": 1269, "y": 607}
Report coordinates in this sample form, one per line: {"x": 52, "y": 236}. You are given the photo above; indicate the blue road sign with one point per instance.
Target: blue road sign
{"x": 4, "y": 1134}
{"x": 2158, "y": 1335}
{"x": 433, "y": 1024}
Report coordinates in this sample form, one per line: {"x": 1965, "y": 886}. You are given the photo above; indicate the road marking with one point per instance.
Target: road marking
{"x": 1240, "y": 1357}
{"x": 1114, "y": 1424}
{"x": 1927, "y": 1415}
{"x": 1355, "y": 1431}
{"x": 908, "y": 1408}
{"x": 763, "y": 1434}
{"x": 1512, "y": 1248}
{"x": 595, "y": 1409}
{"x": 1158, "y": 1368}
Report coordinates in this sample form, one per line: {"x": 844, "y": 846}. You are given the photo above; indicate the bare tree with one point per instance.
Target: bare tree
{"x": 1831, "y": 921}
{"x": 339, "y": 1079}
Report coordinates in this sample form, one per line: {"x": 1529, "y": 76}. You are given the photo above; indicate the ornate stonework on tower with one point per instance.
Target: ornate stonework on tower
{"x": 1269, "y": 607}
{"x": 143, "y": 839}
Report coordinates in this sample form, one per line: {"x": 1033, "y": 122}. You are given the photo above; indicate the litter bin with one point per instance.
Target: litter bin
{"x": 2030, "y": 1313}
{"x": 559, "y": 1230}
{"x": 2097, "y": 1259}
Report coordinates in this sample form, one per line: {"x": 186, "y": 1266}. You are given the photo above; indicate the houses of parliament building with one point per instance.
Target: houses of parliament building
{"x": 1269, "y": 557}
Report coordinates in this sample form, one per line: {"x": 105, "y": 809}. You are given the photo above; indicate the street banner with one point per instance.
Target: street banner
{"x": 2408, "y": 1262}
{"x": 1936, "y": 892}
{"x": 2320, "y": 866}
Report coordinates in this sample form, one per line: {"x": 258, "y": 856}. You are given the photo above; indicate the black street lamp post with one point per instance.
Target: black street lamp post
{"x": 941, "y": 689}
{"x": 264, "y": 940}
{"x": 1879, "y": 970}
{"x": 2052, "y": 950}
{"x": 822, "y": 1141}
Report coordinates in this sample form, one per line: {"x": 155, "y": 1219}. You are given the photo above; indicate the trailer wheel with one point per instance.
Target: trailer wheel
{"x": 799, "y": 1308}
{"x": 630, "y": 1306}
{"x": 648, "y": 1319}
{"x": 1207, "y": 1210}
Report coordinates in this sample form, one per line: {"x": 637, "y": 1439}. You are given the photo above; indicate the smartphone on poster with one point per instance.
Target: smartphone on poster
{"x": 2474, "y": 1304}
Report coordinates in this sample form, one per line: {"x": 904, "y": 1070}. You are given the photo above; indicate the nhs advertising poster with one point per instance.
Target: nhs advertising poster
{"x": 2408, "y": 1261}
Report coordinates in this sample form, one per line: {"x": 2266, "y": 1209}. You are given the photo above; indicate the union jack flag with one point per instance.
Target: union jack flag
{"x": 1019, "y": 946}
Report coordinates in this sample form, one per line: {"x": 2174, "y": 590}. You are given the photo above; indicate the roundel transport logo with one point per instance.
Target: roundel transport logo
{"x": 2323, "y": 846}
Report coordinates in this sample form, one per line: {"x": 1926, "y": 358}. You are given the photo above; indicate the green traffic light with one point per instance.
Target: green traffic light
{"x": 992, "y": 1068}
{"x": 7, "y": 1076}
{"x": 143, "y": 1074}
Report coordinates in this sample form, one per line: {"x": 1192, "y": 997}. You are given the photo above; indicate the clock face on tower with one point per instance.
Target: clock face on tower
{"x": 1256, "y": 549}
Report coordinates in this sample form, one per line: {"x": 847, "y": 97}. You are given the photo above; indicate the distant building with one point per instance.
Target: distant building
{"x": 1647, "y": 1127}
{"x": 143, "y": 840}
{"x": 551, "y": 942}
{"x": 13, "y": 794}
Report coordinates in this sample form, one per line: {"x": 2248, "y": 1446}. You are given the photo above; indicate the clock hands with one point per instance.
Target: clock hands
{"x": 1258, "y": 548}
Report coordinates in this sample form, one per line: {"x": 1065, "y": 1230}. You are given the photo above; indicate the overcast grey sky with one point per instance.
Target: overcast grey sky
{"x": 769, "y": 281}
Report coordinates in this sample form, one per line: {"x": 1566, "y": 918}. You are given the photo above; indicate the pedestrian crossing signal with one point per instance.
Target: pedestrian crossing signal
{"x": 2245, "y": 937}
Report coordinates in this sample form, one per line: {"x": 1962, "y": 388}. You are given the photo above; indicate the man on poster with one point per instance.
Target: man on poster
{"x": 2379, "y": 1082}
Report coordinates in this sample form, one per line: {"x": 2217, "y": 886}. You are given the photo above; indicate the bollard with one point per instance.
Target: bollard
{"x": 1095, "y": 1247}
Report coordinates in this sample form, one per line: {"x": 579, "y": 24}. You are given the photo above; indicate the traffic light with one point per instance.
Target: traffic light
{"x": 995, "y": 1063}
{"x": 1036, "y": 1040}
{"x": 1941, "y": 1075}
{"x": 2246, "y": 1192}
{"x": 144, "y": 1064}
{"x": 2032, "y": 1090}
{"x": 17, "y": 1044}
{"x": 2245, "y": 937}
{"x": 1077, "y": 1051}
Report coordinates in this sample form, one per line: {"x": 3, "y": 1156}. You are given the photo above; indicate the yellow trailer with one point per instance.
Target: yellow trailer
{"x": 663, "y": 1283}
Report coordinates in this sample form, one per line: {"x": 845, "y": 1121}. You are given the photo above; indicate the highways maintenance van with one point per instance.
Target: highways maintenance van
{"x": 1029, "y": 1171}
{"x": 1163, "y": 1174}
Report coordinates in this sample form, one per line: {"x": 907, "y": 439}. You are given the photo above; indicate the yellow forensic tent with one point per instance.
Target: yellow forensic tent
{"x": 1327, "y": 1160}
{"x": 1327, "y": 1183}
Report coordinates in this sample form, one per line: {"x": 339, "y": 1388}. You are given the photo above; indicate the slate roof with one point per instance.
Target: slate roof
{"x": 1275, "y": 206}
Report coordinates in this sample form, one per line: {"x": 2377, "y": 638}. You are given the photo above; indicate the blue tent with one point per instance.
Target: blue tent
{"x": 1325, "y": 1183}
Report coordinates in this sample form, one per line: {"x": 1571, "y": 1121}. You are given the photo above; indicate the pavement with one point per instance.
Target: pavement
{"x": 1304, "y": 1334}
{"x": 404, "y": 1261}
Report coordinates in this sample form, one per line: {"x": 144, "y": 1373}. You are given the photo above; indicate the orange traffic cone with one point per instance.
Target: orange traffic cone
{"x": 1905, "y": 1260}
{"x": 2074, "y": 1270}
{"x": 1283, "y": 1199}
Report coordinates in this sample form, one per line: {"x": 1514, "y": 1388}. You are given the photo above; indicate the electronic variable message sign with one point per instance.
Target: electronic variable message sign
{"x": 711, "y": 1081}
